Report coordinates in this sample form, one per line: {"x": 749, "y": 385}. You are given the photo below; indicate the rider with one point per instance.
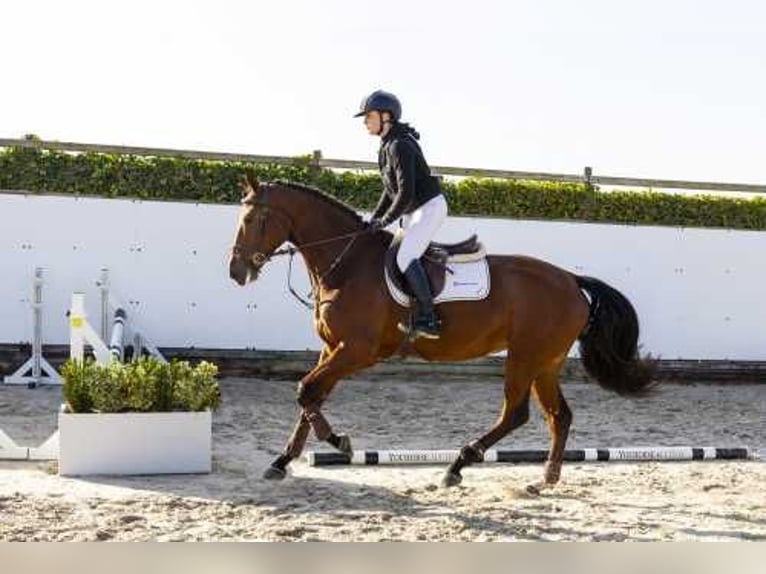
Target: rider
{"x": 409, "y": 192}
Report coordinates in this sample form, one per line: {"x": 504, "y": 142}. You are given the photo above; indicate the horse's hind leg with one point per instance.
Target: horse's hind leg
{"x": 559, "y": 418}
{"x": 515, "y": 413}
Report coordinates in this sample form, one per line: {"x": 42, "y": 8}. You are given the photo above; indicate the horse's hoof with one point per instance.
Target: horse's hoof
{"x": 344, "y": 444}
{"x": 536, "y": 488}
{"x": 274, "y": 473}
{"x": 451, "y": 479}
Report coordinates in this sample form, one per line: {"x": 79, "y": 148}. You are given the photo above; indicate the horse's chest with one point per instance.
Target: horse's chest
{"x": 324, "y": 331}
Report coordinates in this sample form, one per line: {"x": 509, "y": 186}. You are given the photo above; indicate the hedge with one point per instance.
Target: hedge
{"x": 174, "y": 179}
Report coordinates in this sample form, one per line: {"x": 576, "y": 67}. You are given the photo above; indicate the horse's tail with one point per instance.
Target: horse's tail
{"x": 609, "y": 343}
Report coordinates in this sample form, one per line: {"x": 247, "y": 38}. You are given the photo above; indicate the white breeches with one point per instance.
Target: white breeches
{"x": 420, "y": 226}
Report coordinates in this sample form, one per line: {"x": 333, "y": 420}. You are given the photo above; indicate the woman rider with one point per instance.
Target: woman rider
{"x": 410, "y": 192}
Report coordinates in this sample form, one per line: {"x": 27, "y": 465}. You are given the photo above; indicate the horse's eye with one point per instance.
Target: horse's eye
{"x": 248, "y": 220}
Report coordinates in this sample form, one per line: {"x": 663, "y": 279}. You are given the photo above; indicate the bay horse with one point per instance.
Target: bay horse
{"x": 535, "y": 311}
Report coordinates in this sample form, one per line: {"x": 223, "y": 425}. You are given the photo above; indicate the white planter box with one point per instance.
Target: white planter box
{"x": 135, "y": 443}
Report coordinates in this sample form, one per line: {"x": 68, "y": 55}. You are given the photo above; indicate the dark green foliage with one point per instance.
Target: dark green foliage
{"x": 146, "y": 385}
{"x": 178, "y": 179}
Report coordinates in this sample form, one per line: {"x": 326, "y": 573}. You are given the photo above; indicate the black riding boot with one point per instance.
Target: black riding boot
{"x": 424, "y": 322}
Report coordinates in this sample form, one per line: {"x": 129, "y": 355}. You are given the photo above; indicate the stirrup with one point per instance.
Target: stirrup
{"x": 428, "y": 332}
{"x": 432, "y": 330}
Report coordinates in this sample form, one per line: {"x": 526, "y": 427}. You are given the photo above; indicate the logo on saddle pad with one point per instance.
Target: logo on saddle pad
{"x": 456, "y": 272}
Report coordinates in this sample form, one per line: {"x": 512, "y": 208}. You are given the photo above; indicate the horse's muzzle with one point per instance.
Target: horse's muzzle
{"x": 242, "y": 272}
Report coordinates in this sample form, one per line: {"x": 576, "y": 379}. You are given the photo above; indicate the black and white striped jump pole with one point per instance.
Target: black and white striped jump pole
{"x": 415, "y": 457}
{"x": 116, "y": 345}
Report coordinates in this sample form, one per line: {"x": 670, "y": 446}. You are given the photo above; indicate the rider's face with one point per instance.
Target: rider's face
{"x": 378, "y": 123}
{"x": 373, "y": 121}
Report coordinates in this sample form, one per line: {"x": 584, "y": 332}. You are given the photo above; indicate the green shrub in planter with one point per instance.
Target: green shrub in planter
{"x": 195, "y": 388}
{"x": 146, "y": 385}
{"x": 77, "y": 376}
{"x": 109, "y": 388}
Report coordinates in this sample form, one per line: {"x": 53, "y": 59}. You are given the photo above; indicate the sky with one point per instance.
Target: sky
{"x": 659, "y": 89}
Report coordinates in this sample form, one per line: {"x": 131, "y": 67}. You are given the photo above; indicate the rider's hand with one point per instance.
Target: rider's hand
{"x": 375, "y": 224}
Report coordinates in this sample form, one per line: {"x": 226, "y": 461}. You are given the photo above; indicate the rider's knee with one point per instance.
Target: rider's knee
{"x": 403, "y": 260}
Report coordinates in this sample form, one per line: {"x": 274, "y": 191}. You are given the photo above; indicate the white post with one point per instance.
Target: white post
{"x": 138, "y": 346}
{"x": 103, "y": 284}
{"x": 81, "y": 332}
{"x": 76, "y": 327}
{"x": 37, "y": 338}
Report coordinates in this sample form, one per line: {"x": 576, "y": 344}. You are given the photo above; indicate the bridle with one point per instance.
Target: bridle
{"x": 259, "y": 259}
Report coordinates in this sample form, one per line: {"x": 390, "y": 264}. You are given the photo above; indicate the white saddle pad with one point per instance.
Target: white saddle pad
{"x": 469, "y": 281}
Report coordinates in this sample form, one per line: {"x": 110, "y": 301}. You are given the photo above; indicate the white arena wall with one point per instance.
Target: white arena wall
{"x": 699, "y": 293}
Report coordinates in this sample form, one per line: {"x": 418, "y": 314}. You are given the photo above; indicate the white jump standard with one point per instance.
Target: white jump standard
{"x": 31, "y": 373}
{"x": 122, "y": 326}
{"x": 81, "y": 332}
{"x": 415, "y": 457}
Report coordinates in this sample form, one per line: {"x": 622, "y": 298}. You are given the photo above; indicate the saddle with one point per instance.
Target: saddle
{"x": 435, "y": 261}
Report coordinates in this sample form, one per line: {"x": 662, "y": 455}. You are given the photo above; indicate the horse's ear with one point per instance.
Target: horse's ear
{"x": 249, "y": 183}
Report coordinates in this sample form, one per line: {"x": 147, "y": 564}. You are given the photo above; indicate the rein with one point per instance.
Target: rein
{"x": 291, "y": 251}
{"x": 261, "y": 259}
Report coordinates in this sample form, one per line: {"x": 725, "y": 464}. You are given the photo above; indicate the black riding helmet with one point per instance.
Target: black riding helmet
{"x": 382, "y": 102}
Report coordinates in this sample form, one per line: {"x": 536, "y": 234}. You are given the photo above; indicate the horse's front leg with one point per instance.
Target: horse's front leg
{"x": 297, "y": 441}
{"x": 313, "y": 390}
{"x": 278, "y": 469}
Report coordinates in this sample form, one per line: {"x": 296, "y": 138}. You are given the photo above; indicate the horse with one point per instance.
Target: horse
{"x": 534, "y": 311}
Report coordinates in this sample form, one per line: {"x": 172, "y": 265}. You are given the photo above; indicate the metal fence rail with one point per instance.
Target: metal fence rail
{"x": 316, "y": 160}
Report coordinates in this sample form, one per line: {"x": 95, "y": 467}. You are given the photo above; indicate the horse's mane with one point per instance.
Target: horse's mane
{"x": 322, "y": 196}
